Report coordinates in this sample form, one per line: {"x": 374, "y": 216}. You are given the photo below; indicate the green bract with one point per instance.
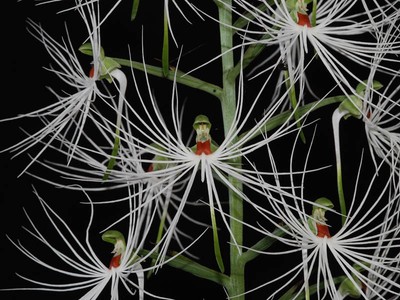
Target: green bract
{"x": 323, "y": 202}
{"x": 107, "y": 64}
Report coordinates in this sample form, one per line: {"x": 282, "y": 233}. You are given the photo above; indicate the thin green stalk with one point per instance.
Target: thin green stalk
{"x": 114, "y": 153}
{"x": 262, "y": 245}
{"x": 181, "y": 77}
{"x": 165, "y": 48}
{"x": 135, "y": 8}
{"x": 283, "y": 117}
{"x": 190, "y": 266}
{"x": 160, "y": 231}
{"x": 236, "y": 284}
{"x": 293, "y": 102}
{"x": 314, "y": 14}
{"x": 217, "y": 248}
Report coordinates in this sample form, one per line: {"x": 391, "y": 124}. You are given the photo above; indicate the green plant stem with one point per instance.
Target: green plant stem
{"x": 190, "y": 266}
{"x": 289, "y": 295}
{"x": 135, "y": 8}
{"x": 283, "y": 117}
{"x": 236, "y": 284}
{"x": 262, "y": 245}
{"x": 293, "y": 101}
{"x": 165, "y": 48}
{"x": 181, "y": 77}
{"x": 249, "y": 55}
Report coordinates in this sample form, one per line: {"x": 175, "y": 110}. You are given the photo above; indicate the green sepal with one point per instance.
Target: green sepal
{"x": 113, "y": 236}
{"x": 352, "y": 106}
{"x": 322, "y": 201}
{"x": 107, "y": 64}
{"x": 360, "y": 89}
{"x": 201, "y": 119}
{"x": 88, "y": 50}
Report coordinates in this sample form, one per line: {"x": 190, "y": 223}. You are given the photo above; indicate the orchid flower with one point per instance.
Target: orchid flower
{"x": 158, "y": 195}
{"x": 72, "y": 110}
{"x": 379, "y": 111}
{"x": 364, "y": 251}
{"x": 82, "y": 266}
{"x": 331, "y": 32}
{"x": 381, "y": 115}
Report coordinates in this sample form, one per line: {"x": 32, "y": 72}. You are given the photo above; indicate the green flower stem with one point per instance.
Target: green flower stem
{"x": 314, "y": 14}
{"x": 305, "y": 271}
{"x": 302, "y": 110}
{"x": 181, "y": 77}
{"x": 114, "y": 153}
{"x": 236, "y": 284}
{"x": 190, "y": 266}
{"x": 249, "y": 55}
{"x": 289, "y": 295}
{"x": 160, "y": 231}
{"x": 262, "y": 245}
{"x": 243, "y": 21}
{"x": 293, "y": 102}
{"x": 217, "y": 248}
{"x": 337, "y": 116}
{"x": 315, "y": 287}
{"x": 165, "y": 48}
{"x": 119, "y": 76}
{"x": 135, "y": 8}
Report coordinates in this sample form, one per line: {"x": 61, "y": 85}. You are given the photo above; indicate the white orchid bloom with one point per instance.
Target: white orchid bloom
{"x": 82, "y": 267}
{"x": 363, "y": 251}
{"x": 93, "y": 174}
{"x": 332, "y": 34}
{"x": 376, "y": 103}
{"x": 69, "y": 114}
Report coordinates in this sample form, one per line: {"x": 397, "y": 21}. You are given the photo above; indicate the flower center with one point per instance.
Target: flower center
{"x": 115, "y": 261}
{"x": 91, "y": 72}
{"x": 303, "y": 19}
{"x": 323, "y": 231}
{"x": 203, "y": 147}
